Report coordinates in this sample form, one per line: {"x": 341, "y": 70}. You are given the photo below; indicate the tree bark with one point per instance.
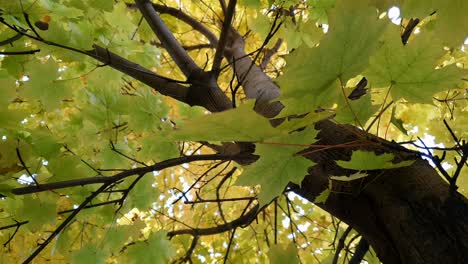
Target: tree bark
{"x": 408, "y": 214}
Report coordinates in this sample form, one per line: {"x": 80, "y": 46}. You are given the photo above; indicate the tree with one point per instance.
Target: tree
{"x": 193, "y": 131}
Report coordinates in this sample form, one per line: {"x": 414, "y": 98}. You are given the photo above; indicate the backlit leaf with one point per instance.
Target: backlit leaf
{"x": 156, "y": 250}
{"x": 410, "y": 71}
{"x": 343, "y": 53}
{"x": 38, "y": 212}
{"x": 278, "y": 254}
{"x": 89, "y": 254}
{"x": 227, "y": 126}
{"x": 278, "y": 165}
{"x": 368, "y": 160}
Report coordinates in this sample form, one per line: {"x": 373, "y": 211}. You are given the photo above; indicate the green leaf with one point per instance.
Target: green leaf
{"x": 292, "y": 124}
{"x": 119, "y": 18}
{"x": 352, "y": 177}
{"x": 241, "y": 124}
{"x": 451, "y": 22}
{"x": 351, "y": 110}
{"x": 43, "y": 84}
{"x": 280, "y": 255}
{"x": 312, "y": 73}
{"x": 410, "y": 70}
{"x": 278, "y": 165}
{"x": 5, "y": 189}
{"x": 81, "y": 34}
{"x": 111, "y": 158}
{"x": 371, "y": 257}
{"x": 259, "y": 24}
{"x": 368, "y": 160}
{"x": 323, "y": 196}
{"x": 319, "y": 10}
{"x": 311, "y": 34}
{"x": 116, "y": 237}
{"x": 146, "y": 110}
{"x": 38, "y": 212}
{"x": 251, "y": 3}
{"x": 68, "y": 167}
{"x": 61, "y": 9}
{"x": 156, "y": 250}
{"x": 143, "y": 194}
{"x": 105, "y": 5}
{"x": 7, "y": 88}
{"x": 89, "y": 254}
{"x": 14, "y": 65}
{"x": 417, "y": 8}
{"x": 157, "y": 149}
{"x": 45, "y": 144}
{"x": 398, "y": 122}
{"x": 291, "y": 34}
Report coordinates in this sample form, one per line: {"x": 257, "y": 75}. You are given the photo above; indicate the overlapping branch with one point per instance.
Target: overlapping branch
{"x": 239, "y": 222}
{"x": 228, "y": 15}
{"x": 169, "y": 42}
{"x": 122, "y": 175}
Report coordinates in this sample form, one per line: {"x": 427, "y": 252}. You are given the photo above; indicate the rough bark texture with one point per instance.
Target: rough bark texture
{"x": 408, "y": 214}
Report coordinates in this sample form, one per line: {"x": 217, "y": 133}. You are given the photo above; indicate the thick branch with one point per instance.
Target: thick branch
{"x": 119, "y": 176}
{"x": 360, "y": 252}
{"x": 256, "y": 84}
{"x": 157, "y": 82}
{"x": 170, "y": 43}
{"x": 229, "y": 14}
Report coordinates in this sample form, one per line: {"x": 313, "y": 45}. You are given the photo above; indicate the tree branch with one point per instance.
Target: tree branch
{"x": 360, "y": 252}
{"x": 65, "y": 223}
{"x": 341, "y": 244}
{"x": 170, "y": 43}
{"x": 254, "y": 81}
{"x": 25, "y": 52}
{"x": 269, "y": 53}
{"x": 11, "y": 40}
{"x": 162, "y": 85}
{"x": 179, "y": 14}
{"x": 195, "y": 24}
{"x": 229, "y": 14}
{"x": 119, "y": 176}
{"x": 239, "y": 222}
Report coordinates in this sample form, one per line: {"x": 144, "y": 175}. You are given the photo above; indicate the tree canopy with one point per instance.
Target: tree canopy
{"x": 205, "y": 131}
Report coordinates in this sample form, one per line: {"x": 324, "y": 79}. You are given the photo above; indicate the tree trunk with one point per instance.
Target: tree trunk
{"x": 408, "y": 214}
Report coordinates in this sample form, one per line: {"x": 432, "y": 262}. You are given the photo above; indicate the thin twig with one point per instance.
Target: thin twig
{"x": 65, "y": 223}
{"x": 231, "y": 238}
{"x": 244, "y": 220}
{"x": 19, "y": 52}
{"x": 341, "y": 244}
{"x": 11, "y": 40}
{"x": 23, "y": 164}
{"x": 229, "y": 14}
